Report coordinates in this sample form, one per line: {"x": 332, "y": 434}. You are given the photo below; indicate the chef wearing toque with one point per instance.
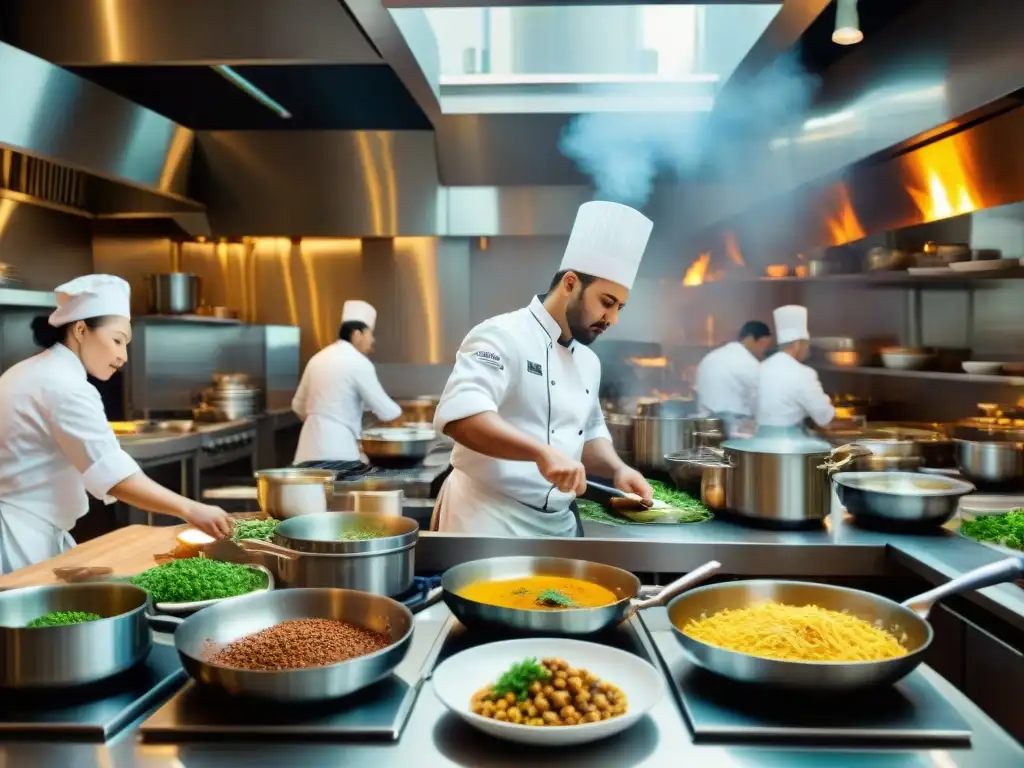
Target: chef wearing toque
{"x": 338, "y": 385}
{"x": 55, "y": 441}
{"x": 522, "y": 402}
{"x": 789, "y": 391}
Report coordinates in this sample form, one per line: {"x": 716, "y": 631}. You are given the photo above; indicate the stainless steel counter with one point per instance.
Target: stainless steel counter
{"x": 151, "y": 448}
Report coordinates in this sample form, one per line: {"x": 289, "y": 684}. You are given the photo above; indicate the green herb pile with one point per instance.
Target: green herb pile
{"x": 518, "y": 678}
{"x": 683, "y": 509}
{"x": 555, "y": 599}
{"x": 262, "y": 529}
{"x": 360, "y": 534}
{"x": 198, "y": 578}
{"x": 63, "y": 618}
{"x": 1006, "y": 529}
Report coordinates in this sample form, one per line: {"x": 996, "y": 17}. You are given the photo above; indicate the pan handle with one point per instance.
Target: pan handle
{"x": 680, "y": 585}
{"x": 994, "y": 573}
{"x": 163, "y": 623}
{"x": 433, "y": 598}
{"x": 268, "y": 548}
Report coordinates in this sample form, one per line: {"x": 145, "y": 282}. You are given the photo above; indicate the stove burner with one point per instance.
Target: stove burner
{"x": 343, "y": 470}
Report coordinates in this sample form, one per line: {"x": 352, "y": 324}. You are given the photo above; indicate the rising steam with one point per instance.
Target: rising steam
{"x": 624, "y": 153}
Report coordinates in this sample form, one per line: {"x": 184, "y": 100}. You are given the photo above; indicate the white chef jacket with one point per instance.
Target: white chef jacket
{"x": 514, "y": 366}
{"x": 338, "y": 385}
{"x": 55, "y": 444}
{"x": 727, "y": 381}
{"x": 789, "y": 392}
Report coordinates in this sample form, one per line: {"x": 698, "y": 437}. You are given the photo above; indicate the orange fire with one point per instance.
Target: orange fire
{"x": 942, "y": 184}
{"x": 843, "y": 225}
{"x": 732, "y": 250}
{"x": 649, "y": 362}
{"x": 698, "y": 270}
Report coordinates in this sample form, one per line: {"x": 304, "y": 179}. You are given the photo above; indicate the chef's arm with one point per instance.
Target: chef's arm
{"x": 817, "y": 404}
{"x": 374, "y": 396}
{"x": 301, "y": 395}
{"x": 491, "y": 435}
{"x": 600, "y": 458}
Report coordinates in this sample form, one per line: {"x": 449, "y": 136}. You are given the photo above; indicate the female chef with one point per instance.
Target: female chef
{"x": 55, "y": 441}
{"x": 522, "y": 402}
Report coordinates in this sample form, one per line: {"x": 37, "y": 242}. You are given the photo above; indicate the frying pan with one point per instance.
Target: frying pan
{"x": 201, "y": 634}
{"x": 907, "y": 621}
{"x": 566, "y": 621}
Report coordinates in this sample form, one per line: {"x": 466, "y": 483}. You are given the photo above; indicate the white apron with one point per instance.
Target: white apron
{"x": 26, "y": 539}
{"x": 466, "y": 506}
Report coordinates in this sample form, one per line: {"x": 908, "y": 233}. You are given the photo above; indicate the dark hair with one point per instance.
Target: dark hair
{"x": 585, "y": 279}
{"x": 45, "y": 335}
{"x": 349, "y": 327}
{"x": 755, "y": 329}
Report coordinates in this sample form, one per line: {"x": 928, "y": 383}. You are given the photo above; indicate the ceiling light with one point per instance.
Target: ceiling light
{"x": 244, "y": 85}
{"x": 847, "y": 31}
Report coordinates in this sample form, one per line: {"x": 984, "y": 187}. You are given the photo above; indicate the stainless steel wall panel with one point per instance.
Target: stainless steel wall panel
{"x": 102, "y": 32}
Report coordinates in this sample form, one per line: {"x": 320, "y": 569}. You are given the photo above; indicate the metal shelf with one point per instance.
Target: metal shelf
{"x": 885, "y": 279}
{"x": 18, "y": 297}
{"x": 970, "y": 378}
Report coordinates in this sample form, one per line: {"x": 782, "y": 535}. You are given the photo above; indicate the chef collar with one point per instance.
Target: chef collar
{"x": 549, "y": 324}
{"x": 63, "y": 353}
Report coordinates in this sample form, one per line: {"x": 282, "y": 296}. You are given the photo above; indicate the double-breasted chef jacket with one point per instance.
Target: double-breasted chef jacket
{"x": 55, "y": 445}
{"x": 338, "y": 385}
{"x": 514, "y": 365}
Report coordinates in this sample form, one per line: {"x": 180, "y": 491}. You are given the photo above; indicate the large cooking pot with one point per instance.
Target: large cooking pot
{"x": 991, "y": 458}
{"x": 291, "y": 491}
{"x": 173, "y": 293}
{"x": 622, "y": 428}
{"x": 397, "y": 446}
{"x": 77, "y": 654}
{"x": 308, "y": 551}
{"x": 657, "y": 436}
{"x": 775, "y": 477}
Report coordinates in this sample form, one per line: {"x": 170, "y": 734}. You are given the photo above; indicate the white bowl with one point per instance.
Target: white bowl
{"x": 905, "y": 361}
{"x": 458, "y": 678}
{"x": 982, "y": 367}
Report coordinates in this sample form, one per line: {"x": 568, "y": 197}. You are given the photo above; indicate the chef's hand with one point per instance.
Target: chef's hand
{"x": 566, "y": 475}
{"x": 209, "y": 519}
{"x": 629, "y": 480}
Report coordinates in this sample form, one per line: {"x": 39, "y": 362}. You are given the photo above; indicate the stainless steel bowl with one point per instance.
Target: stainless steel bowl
{"x": 397, "y": 445}
{"x": 290, "y": 492}
{"x": 220, "y": 625}
{"x": 992, "y": 462}
{"x": 907, "y": 621}
{"x": 906, "y": 497}
{"x": 322, "y": 533}
{"x": 77, "y": 654}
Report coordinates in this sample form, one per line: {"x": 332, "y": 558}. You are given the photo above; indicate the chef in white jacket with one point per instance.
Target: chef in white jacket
{"x": 55, "y": 441}
{"x": 522, "y": 401}
{"x": 728, "y": 377}
{"x": 338, "y": 385}
{"x": 789, "y": 391}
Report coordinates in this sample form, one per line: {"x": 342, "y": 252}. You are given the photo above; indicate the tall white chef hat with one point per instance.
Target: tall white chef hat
{"x": 91, "y": 296}
{"x": 359, "y": 312}
{"x": 790, "y": 324}
{"x": 607, "y": 241}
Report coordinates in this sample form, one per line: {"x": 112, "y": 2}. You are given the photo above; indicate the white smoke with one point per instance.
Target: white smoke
{"x": 625, "y": 153}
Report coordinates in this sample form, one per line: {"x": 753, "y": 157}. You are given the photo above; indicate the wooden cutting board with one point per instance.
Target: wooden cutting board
{"x": 128, "y": 551}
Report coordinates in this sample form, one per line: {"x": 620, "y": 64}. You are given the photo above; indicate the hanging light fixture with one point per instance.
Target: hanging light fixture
{"x": 847, "y": 31}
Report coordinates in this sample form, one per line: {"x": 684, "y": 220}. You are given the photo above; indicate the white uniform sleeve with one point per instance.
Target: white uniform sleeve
{"x": 481, "y": 377}
{"x": 374, "y": 398}
{"x": 814, "y": 400}
{"x": 751, "y": 384}
{"x": 596, "y": 427}
{"x": 83, "y": 435}
{"x": 299, "y": 402}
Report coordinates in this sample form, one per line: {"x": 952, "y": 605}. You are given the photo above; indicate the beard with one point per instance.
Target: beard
{"x": 580, "y": 328}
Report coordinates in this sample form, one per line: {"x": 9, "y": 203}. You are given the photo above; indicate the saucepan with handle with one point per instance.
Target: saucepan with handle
{"x": 562, "y": 621}
{"x": 906, "y": 621}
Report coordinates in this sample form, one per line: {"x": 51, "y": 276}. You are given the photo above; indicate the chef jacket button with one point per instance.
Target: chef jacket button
{"x": 552, "y": 382}
{"x": 552, "y": 431}
{"x": 581, "y": 431}
{"x": 588, "y": 391}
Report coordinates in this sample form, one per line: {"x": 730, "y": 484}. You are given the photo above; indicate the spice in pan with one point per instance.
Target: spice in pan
{"x": 62, "y": 619}
{"x": 198, "y": 578}
{"x": 301, "y": 643}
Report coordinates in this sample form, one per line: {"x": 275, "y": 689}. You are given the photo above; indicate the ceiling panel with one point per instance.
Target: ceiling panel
{"x": 319, "y": 97}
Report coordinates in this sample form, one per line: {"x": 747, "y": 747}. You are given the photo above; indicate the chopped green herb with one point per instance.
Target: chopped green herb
{"x": 555, "y": 599}
{"x": 683, "y": 508}
{"x": 198, "y": 578}
{"x": 1006, "y": 529}
{"x": 262, "y": 529}
{"x": 518, "y": 677}
{"x": 360, "y": 534}
{"x": 63, "y": 619}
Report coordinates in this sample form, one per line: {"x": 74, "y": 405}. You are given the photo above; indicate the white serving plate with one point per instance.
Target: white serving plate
{"x": 981, "y": 367}
{"x": 458, "y": 678}
{"x": 972, "y": 507}
{"x": 984, "y": 265}
{"x": 905, "y": 361}
{"x": 178, "y": 609}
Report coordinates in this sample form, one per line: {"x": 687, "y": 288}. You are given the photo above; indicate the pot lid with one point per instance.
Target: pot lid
{"x": 779, "y": 440}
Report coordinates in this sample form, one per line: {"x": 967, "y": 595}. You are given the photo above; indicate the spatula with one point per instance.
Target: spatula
{"x": 625, "y": 501}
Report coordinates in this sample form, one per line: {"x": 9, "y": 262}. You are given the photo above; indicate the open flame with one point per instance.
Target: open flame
{"x": 843, "y": 225}
{"x": 697, "y": 271}
{"x": 732, "y": 250}
{"x": 649, "y": 362}
{"x": 942, "y": 185}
